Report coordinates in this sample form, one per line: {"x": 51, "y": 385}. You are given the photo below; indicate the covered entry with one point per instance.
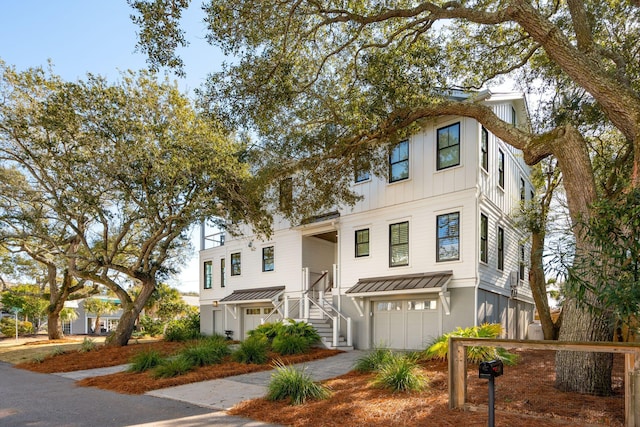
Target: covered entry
{"x": 251, "y": 306}
{"x": 406, "y": 311}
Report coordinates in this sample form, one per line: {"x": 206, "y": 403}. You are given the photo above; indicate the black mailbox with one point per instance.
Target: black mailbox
{"x": 490, "y": 369}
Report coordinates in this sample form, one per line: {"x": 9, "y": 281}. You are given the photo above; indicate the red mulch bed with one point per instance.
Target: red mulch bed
{"x": 523, "y": 398}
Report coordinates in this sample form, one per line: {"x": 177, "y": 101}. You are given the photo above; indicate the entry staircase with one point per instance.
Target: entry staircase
{"x": 323, "y": 315}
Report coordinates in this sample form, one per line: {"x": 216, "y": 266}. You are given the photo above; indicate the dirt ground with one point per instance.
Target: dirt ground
{"x": 525, "y": 395}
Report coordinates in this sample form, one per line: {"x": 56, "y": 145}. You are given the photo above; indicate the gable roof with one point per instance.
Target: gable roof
{"x": 253, "y": 295}
{"x": 402, "y": 284}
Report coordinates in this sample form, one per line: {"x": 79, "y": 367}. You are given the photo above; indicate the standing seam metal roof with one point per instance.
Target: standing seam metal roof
{"x": 402, "y": 282}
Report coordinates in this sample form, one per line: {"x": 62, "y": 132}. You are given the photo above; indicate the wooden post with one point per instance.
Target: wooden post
{"x": 457, "y": 374}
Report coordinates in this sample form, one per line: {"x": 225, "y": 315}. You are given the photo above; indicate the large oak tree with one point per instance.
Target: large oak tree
{"x": 325, "y": 82}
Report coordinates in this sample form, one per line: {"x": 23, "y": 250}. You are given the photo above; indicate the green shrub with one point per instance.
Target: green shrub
{"x": 266, "y": 330}
{"x": 184, "y": 329}
{"x": 87, "y": 345}
{"x": 400, "y": 373}
{"x": 57, "y": 351}
{"x": 299, "y": 329}
{"x": 152, "y": 327}
{"x": 290, "y": 344}
{"x": 253, "y": 350}
{"x": 439, "y": 348}
{"x": 373, "y": 360}
{"x": 8, "y": 327}
{"x": 205, "y": 352}
{"x": 172, "y": 367}
{"x": 296, "y": 385}
{"x": 38, "y": 358}
{"x": 145, "y": 360}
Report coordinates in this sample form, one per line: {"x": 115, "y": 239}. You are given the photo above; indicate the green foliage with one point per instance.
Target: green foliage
{"x": 400, "y": 373}
{"x": 290, "y": 344}
{"x": 172, "y": 367}
{"x": 87, "y": 345}
{"x": 150, "y": 326}
{"x": 373, "y": 360}
{"x": 206, "y": 352}
{"x": 8, "y": 327}
{"x": 253, "y": 350}
{"x": 38, "y": 358}
{"x": 28, "y": 298}
{"x": 184, "y": 329}
{"x": 299, "y": 329}
{"x": 297, "y": 386}
{"x": 267, "y": 330}
{"x": 145, "y": 360}
{"x": 439, "y": 348}
{"x": 57, "y": 351}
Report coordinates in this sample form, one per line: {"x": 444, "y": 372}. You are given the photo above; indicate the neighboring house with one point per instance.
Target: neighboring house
{"x": 429, "y": 248}
{"x": 86, "y": 321}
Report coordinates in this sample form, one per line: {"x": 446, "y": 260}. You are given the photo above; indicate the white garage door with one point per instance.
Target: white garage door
{"x": 253, "y": 316}
{"x": 405, "y": 324}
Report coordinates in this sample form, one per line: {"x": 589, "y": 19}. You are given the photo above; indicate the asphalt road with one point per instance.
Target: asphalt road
{"x": 43, "y": 400}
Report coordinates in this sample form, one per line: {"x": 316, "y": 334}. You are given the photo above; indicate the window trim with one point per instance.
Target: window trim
{"x": 501, "y": 168}
{"x": 237, "y": 264}
{"x": 208, "y": 275}
{"x": 392, "y": 246}
{"x": 223, "y": 271}
{"x": 484, "y": 238}
{"x": 500, "y": 248}
{"x": 358, "y": 244}
{"x": 438, "y": 148}
{"x": 484, "y": 149}
{"x": 272, "y": 258}
{"x": 457, "y": 258}
{"x": 391, "y": 164}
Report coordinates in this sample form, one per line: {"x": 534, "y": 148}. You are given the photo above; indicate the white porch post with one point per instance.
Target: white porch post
{"x": 349, "y": 338}
{"x": 304, "y": 304}
{"x": 336, "y": 331}
{"x": 286, "y": 306}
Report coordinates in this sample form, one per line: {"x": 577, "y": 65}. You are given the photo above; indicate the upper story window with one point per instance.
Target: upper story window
{"x": 448, "y": 146}
{"x": 500, "y": 248}
{"x": 208, "y": 274}
{"x": 501, "y": 168}
{"x": 268, "y": 258}
{"x": 484, "y": 149}
{"x": 448, "y": 237}
{"x": 484, "y": 238}
{"x": 399, "y": 244}
{"x": 286, "y": 194}
{"x": 521, "y": 263}
{"x": 399, "y": 162}
{"x": 236, "y": 264}
{"x": 223, "y": 272}
{"x": 523, "y": 189}
{"x": 361, "y": 170}
{"x": 362, "y": 242}
{"x": 514, "y": 119}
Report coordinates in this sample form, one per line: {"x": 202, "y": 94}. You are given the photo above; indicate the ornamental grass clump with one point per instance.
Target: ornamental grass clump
{"x": 373, "y": 360}
{"x": 206, "y": 352}
{"x": 87, "y": 345}
{"x": 439, "y": 348}
{"x": 145, "y": 360}
{"x": 287, "y": 382}
{"x": 172, "y": 367}
{"x": 290, "y": 344}
{"x": 400, "y": 373}
{"x": 254, "y": 349}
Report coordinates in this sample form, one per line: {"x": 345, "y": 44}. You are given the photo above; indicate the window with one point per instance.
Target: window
{"x": 388, "y": 306}
{"x": 236, "y": 264}
{"x": 253, "y": 311}
{"x": 208, "y": 272}
{"x": 513, "y": 116}
{"x": 448, "y": 237}
{"x": 268, "y": 258}
{"x": 521, "y": 264}
{"x": 448, "y": 146}
{"x": 484, "y": 149}
{"x": 399, "y": 162}
{"x": 484, "y": 237}
{"x": 222, "y": 273}
{"x": 286, "y": 194}
{"x": 501, "y": 168}
{"x": 399, "y": 244}
{"x": 362, "y": 242}
{"x": 422, "y": 305}
{"x": 522, "y": 191}
{"x": 500, "y": 248}
{"x": 361, "y": 170}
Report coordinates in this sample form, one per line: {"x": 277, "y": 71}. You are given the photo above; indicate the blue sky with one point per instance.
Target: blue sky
{"x": 98, "y": 37}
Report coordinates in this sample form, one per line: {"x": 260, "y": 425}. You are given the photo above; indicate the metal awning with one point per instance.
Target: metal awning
{"x": 247, "y": 296}
{"x": 403, "y": 284}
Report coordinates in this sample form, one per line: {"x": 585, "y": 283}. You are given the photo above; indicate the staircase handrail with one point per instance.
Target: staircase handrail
{"x": 322, "y": 276}
{"x": 275, "y": 310}
{"x": 322, "y": 308}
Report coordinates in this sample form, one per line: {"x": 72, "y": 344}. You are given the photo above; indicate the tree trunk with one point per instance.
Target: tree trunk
{"x": 538, "y": 286}
{"x": 579, "y": 371}
{"x": 130, "y": 311}
{"x": 54, "y": 326}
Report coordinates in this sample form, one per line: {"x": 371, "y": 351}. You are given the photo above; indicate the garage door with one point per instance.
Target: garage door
{"x": 254, "y": 315}
{"x": 405, "y": 324}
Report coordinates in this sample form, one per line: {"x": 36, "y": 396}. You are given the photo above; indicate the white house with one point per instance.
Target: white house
{"x": 431, "y": 247}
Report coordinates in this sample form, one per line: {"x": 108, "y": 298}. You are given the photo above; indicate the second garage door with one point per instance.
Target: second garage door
{"x": 405, "y": 324}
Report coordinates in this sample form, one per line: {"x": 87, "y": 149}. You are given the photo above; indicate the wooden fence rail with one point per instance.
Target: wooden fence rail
{"x": 631, "y": 351}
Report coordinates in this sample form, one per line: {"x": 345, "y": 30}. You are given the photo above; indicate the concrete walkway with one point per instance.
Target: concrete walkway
{"x": 224, "y": 393}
